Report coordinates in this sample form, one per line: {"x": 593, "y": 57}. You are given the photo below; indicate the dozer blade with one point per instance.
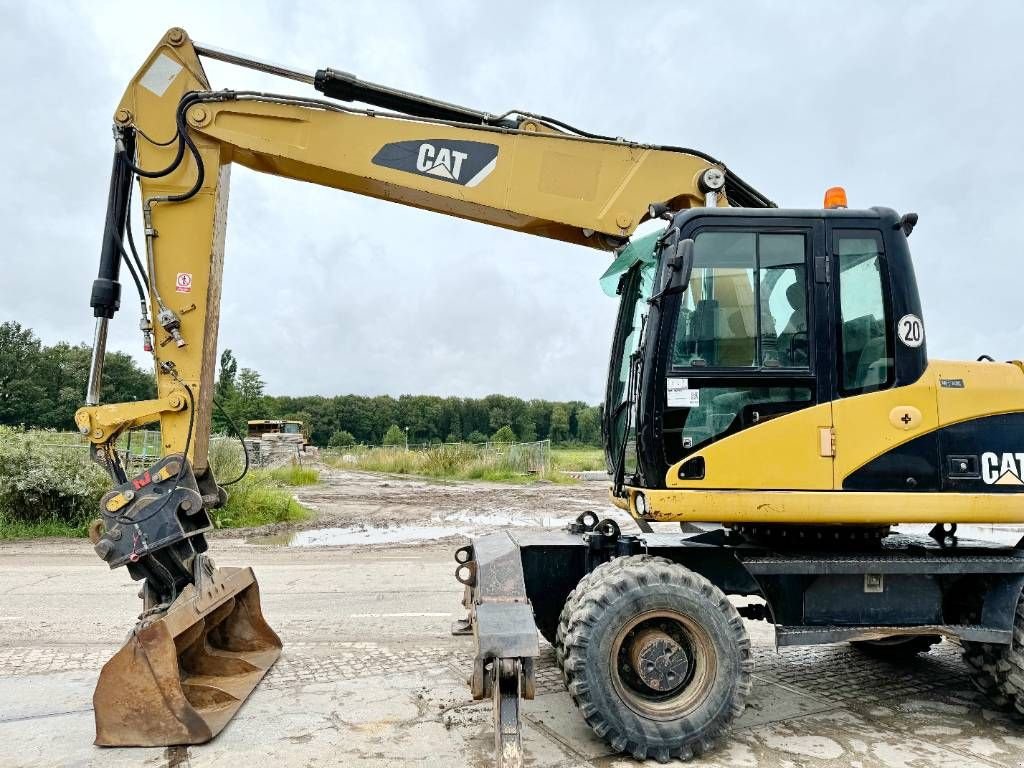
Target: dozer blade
{"x": 181, "y": 677}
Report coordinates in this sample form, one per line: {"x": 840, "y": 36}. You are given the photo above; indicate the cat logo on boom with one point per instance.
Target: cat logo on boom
{"x": 443, "y": 162}
{"x": 466, "y": 163}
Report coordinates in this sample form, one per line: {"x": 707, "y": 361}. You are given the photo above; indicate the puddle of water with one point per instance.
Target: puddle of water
{"x": 506, "y": 519}
{"x": 455, "y": 524}
{"x": 332, "y": 537}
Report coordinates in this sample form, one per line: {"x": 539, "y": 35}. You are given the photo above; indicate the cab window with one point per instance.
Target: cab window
{"x": 746, "y": 305}
{"x": 865, "y": 347}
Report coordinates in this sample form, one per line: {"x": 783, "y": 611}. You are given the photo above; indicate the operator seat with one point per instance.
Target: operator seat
{"x": 793, "y": 342}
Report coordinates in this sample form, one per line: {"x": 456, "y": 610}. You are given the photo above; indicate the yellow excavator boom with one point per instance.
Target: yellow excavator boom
{"x": 527, "y": 175}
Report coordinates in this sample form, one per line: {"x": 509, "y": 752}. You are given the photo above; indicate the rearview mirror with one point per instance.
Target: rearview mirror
{"x": 680, "y": 265}
{"x": 677, "y": 256}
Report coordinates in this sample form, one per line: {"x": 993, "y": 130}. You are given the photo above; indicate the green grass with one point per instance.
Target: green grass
{"x": 578, "y": 459}
{"x": 19, "y": 529}
{"x": 259, "y": 499}
{"x": 262, "y": 497}
{"x": 294, "y": 475}
{"x": 459, "y": 461}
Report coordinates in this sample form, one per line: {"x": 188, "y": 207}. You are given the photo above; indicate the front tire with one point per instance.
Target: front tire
{"x": 659, "y": 659}
{"x": 573, "y": 600}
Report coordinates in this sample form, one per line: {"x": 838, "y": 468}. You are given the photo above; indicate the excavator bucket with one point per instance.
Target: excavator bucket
{"x": 183, "y": 675}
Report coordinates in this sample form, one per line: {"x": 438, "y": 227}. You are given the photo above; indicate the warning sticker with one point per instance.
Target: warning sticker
{"x": 183, "y": 283}
{"x": 680, "y": 395}
{"x": 160, "y": 75}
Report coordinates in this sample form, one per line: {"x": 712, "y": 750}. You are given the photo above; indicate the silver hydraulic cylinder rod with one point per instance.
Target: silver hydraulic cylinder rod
{"x": 99, "y": 353}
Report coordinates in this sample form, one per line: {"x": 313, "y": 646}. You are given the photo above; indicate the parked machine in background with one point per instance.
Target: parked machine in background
{"x": 257, "y": 428}
{"x": 277, "y": 441}
{"x": 768, "y": 373}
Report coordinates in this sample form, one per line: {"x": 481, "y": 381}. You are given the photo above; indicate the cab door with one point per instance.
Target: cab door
{"x": 747, "y": 373}
{"x": 885, "y": 411}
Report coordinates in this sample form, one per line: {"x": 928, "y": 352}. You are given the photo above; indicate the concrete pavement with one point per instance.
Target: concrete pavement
{"x": 371, "y": 677}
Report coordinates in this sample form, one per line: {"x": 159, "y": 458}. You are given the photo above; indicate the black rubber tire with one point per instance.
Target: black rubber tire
{"x": 897, "y": 647}
{"x": 1005, "y": 663}
{"x": 637, "y": 586}
{"x": 573, "y": 600}
{"x": 981, "y": 660}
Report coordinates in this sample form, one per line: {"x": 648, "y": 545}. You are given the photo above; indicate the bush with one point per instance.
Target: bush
{"x": 47, "y": 484}
{"x": 504, "y": 435}
{"x": 226, "y": 458}
{"x": 476, "y": 437}
{"x": 394, "y": 436}
{"x": 341, "y": 439}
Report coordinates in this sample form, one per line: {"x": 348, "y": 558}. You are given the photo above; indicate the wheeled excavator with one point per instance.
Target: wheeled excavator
{"x": 768, "y": 376}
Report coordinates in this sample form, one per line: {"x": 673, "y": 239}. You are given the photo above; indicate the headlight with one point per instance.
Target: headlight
{"x": 640, "y": 503}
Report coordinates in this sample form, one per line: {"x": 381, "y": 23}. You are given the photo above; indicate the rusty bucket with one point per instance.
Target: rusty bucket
{"x": 182, "y": 675}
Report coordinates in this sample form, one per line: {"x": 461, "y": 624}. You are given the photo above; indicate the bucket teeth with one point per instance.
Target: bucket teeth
{"x": 179, "y": 679}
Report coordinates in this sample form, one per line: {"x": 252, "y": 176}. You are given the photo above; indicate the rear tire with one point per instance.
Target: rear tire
{"x": 658, "y": 658}
{"x": 981, "y": 660}
{"x": 1003, "y": 664}
{"x": 897, "y": 647}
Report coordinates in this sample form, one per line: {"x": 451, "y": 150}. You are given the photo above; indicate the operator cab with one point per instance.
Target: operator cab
{"x": 784, "y": 310}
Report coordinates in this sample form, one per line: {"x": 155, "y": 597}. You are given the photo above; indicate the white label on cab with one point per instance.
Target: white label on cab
{"x": 910, "y": 330}
{"x": 680, "y": 395}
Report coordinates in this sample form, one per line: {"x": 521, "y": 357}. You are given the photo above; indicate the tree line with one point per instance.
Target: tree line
{"x": 42, "y": 386}
{"x": 348, "y": 419}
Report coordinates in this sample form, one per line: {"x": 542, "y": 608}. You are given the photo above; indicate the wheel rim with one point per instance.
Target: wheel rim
{"x": 663, "y": 664}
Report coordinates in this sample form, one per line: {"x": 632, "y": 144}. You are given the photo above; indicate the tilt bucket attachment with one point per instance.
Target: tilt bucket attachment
{"x": 201, "y": 645}
{"x": 181, "y": 677}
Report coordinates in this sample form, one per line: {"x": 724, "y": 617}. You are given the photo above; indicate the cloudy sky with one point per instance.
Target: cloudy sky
{"x": 917, "y": 108}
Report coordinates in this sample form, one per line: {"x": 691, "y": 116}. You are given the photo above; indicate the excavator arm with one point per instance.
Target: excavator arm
{"x": 521, "y": 172}
{"x": 179, "y": 139}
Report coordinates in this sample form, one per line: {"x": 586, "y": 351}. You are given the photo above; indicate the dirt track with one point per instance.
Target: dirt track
{"x": 364, "y": 509}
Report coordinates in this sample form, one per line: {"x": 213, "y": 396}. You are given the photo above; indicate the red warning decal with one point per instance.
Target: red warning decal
{"x": 142, "y": 481}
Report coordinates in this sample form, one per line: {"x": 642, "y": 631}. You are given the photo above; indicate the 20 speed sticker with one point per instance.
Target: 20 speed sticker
{"x": 910, "y": 330}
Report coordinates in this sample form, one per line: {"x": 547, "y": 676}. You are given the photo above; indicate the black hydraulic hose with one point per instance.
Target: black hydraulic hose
{"x": 135, "y": 275}
{"x": 200, "y": 170}
{"x": 134, "y": 250}
{"x": 127, "y": 159}
{"x": 128, "y": 152}
{"x": 238, "y": 434}
{"x": 154, "y": 142}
